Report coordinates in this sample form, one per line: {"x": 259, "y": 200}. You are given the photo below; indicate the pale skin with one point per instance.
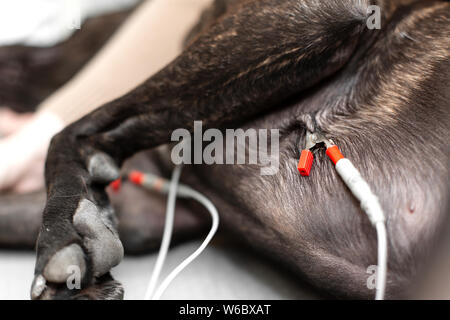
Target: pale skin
{"x": 25, "y": 178}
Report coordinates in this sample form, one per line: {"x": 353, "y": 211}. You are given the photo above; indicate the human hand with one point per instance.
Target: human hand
{"x": 11, "y": 121}
{"x": 23, "y": 149}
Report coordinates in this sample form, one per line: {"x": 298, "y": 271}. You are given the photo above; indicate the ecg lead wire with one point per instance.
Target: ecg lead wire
{"x": 190, "y": 193}
{"x": 167, "y": 235}
{"x": 361, "y": 190}
{"x": 174, "y": 189}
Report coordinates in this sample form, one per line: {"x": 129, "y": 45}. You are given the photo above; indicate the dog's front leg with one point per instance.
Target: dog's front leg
{"x": 244, "y": 64}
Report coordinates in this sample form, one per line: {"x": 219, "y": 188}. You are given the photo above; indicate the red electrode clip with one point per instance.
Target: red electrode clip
{"x": 116, "y": 184}
{"x": 306, "y": 158}
{"x": 334, "y": 154}
{"x": 305, "y": 164}
{"x": 136, "y": 177}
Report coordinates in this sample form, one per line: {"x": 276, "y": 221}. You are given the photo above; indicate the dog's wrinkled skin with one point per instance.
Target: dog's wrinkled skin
{"x": 382, "y": 95}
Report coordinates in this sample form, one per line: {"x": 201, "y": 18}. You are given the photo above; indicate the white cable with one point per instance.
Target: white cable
{"x": 186, "y": 192}
{"x": 382, "y": 260}
{"x": 215, "y": 224}
{"x": 371, "y": 206}
{"x": 167, "y": 235}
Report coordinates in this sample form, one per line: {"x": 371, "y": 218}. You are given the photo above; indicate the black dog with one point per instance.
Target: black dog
{"x": 381, "y": 95}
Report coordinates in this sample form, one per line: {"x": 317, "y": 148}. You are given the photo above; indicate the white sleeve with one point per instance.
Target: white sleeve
{"x": 361, "y": 190}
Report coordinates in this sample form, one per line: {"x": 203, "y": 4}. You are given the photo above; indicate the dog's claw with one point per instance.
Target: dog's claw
{"x": 38, "y": 286}
{"x": 103, "y": 288}
{"x": 59, "y": 267}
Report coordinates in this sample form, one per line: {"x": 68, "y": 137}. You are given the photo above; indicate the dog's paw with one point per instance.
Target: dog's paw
{"x": 78, "y": 240}
{"x": 82, "y": 250}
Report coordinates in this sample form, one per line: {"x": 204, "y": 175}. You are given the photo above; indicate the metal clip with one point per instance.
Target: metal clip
{"x": 306, "y": 159}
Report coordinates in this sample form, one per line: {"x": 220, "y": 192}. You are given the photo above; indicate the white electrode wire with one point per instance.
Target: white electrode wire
{"x": 215, "y": 224}
{"x": 182, "y": 191}
{"x": 382, "y": 260}
{"x": 167, "y": 235}
{"x": 370, "y": 204}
